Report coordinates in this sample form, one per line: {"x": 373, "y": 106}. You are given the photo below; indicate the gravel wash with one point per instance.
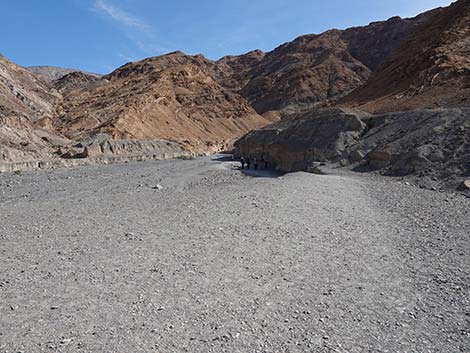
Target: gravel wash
{"x": 195, "y": 256}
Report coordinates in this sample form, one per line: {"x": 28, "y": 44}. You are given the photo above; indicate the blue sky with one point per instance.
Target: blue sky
{"x": 101, "y": 35}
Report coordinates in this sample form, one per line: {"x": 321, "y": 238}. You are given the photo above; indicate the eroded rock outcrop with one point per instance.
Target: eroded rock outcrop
{"x": 433, "y": 144}
{"x": 295, "y": 145}
{"x": 22, "y": 94}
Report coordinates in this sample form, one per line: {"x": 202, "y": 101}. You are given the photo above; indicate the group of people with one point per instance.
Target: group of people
{"x": 247, "y": 163}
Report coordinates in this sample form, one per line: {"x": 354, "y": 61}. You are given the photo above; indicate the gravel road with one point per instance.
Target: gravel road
{"x": 102, "y": 259}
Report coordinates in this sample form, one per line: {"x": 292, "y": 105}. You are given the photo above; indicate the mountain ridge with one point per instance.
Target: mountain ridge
{"x": 205, "y": 105}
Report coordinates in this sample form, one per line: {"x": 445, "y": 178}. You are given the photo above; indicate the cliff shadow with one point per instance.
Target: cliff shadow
{"x": 262, "y": 173}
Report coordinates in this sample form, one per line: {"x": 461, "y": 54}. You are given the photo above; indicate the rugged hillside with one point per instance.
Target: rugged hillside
{"x": 316, "y": 70}
{"x": 419, "y": 64}
{"x": 51, "y": 73}
{"x": 233, "y": 71}
{"x": 303, "y": 74}
{"x": 22, "y": 94}
{"x": 430, "y": 69}
{"x": 25, "y": 102}
{"x": 203, "y": 106}
{"x": 172, "y": 97}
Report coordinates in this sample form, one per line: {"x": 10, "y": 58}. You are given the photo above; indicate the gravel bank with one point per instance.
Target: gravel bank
{"x": 101, "y": 259}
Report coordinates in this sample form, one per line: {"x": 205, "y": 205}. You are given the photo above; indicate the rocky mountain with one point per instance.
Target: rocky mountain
{"x": 203, "y": 106}
{"x": 74, "y": 81}
{"x": 23, "y": 94}
{"x": 51, "y": 73}
{"x": 431, "y": 68}
{"x": 234, "y": 70}
{"x": 24, "y": 102}
{"x": 172, "y": 97}
{"x": 317, "y": 70}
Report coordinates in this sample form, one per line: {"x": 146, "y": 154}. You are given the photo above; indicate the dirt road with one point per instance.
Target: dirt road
{"x": 194, "y": 256}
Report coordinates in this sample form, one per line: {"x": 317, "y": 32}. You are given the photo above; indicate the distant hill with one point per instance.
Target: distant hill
{"x": 52, "y": 73}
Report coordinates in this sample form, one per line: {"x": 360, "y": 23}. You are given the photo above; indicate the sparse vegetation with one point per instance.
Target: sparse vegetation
{"x": 17, "y": 172}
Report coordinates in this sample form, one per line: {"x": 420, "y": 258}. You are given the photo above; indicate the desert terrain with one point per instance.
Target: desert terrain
{"x": 196, "y": 256}
{"x": 123, "y": 228}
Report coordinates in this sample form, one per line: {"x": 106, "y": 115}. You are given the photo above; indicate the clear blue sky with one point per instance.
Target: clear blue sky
{"x": 100, "y": 35}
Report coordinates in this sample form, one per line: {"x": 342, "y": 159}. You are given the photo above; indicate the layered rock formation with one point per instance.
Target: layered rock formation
{"x": 21, "y": 140}
{"x": 431, "y": 68}
{"x": 172, "y": 97}
{"x": 432, "y": 144}
{"x": 24, "y": 100}
{"x": 426, "y": 143}
{"x": 426, "y": 65}
{"x": 22, "y": 94}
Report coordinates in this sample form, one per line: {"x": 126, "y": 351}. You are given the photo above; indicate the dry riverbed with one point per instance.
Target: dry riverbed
{"x": 194, "y": 256}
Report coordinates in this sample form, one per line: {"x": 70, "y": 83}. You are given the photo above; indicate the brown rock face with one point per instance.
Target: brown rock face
{"x": 316, "y": 70}
{"x": 304, "y": 74}
{"x": 233, "y": 71}
{"x": 22, "y": 94}
{"x": 431, "y": 68}
{"x": 24, "y": 102}
{"x": 171, "y": 97}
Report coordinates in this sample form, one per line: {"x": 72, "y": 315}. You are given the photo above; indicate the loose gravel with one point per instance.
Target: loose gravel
{"x": 195, "y": 256}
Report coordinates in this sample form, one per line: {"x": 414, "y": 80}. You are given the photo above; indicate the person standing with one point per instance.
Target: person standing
{"x": 248, "y": 163}
{"x": 255, "y": 163}
{"x": 242, "y": 162}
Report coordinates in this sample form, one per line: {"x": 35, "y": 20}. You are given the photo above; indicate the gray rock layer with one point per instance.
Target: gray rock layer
{"x": 293, "y": 145}
{"x": 104, "y": 152}
{"x": 424, "y": 143}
